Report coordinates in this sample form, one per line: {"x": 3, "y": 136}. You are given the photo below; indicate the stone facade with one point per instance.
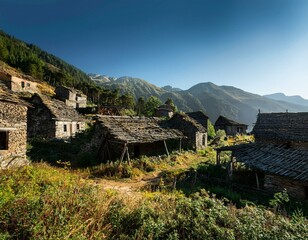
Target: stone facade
{"x": 51, "y": 118}
{"x": 231, "y": 127}
{"x": 164, "y": 110}
{"x": 195, "y": 133}
{"x": 17, "y": 84}
{"x": 71, "y": 97}
{"x": 13, "y": 134}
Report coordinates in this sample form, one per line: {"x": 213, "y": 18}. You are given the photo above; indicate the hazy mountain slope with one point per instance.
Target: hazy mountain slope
{"x": 171, "y": 89}
{"x": 291, "y": 99}
{"x": 136, "y": 86}
{"x": 237, "y": 104}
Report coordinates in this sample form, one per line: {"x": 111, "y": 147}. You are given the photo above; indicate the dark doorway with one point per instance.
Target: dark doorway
{"x": 4, "y": 137}
{"x": 136, "y": 151}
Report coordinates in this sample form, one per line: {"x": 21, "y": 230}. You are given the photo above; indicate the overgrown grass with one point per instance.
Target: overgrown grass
{"x": 172, "y": 165}
{"x": 43, "y": 202}
{"x": 76, "y": 151}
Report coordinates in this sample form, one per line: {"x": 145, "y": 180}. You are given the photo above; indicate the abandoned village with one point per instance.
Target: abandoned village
{"x": 279, "y": 154}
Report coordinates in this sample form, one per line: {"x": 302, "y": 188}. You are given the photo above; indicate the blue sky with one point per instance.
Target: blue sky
{"x": 259, "y": 46}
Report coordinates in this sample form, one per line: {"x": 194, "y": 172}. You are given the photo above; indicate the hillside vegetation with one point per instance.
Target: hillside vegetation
{"x": 31, "y": 60}
{"x": 43, "y": 202}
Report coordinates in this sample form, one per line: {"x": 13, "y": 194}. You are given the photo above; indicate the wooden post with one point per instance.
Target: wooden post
{"x": 230, "y": 169}
{"x": 180, "y": 144}
{"x": 123, "y": 154}
{"x": 217, "y": 157}
{"x": 257, "y": 180}
{"x": 166, "y": 148}
{"x": 128, "y": 158}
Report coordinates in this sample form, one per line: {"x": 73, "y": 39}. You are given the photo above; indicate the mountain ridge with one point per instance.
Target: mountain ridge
{"x": 229, "y": 101}
{"x": 296, "y": 99}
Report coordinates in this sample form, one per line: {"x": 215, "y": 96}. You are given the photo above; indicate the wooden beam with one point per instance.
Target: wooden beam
{"x": 123, "y": 153}
{"x": 180, "y": 144}
{"x": 217, "y": 157}
{"x": 166, "y": 148}
{"x": 128, "y": 158}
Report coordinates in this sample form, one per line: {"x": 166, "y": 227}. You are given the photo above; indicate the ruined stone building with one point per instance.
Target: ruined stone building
{"x": 194, "y": 126}
{"x": 280, "y": 152}
{"x": 13, "y": 131}
{"x": 231, "y": 127}
{"x": 52, "y": 118}
{"x": 72, "y": 97}
{"x": 18, "y": 84}
{"x": 164, "y": 110}
{"x": 124, "y": 136}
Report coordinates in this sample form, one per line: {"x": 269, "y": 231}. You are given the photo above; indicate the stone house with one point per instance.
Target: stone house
{"x": 52, "y": 118}
{"x": 72, "y": 97}
{"x": 280, "y": 152}
{"x": 120, "y": 136}
{"x": 13, "y": 131}
{"x": 164, "y": 110}
{"x": 193, "y": 126}
{"x": 18, "y": 84}
{"x": 200, "y": 117}
{"x": 232, "y": 128}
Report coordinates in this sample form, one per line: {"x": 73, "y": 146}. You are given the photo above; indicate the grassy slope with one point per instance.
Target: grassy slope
{"x": 43, "y": 202}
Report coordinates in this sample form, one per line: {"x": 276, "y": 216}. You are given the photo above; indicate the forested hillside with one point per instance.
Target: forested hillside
{"x": 33, "y": 61}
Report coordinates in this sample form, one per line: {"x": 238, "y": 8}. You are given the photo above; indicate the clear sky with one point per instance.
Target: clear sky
{"x": 259, "y": 46}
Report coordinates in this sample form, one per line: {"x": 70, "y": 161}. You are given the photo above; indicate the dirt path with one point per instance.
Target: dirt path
{"x": 148, "y": 181}
{"x": 128, "y": 186}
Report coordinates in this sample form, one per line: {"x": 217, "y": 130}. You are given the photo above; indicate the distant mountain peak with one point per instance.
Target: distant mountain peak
{"x": 295, "y": 99}
{"x": 171, "y": 89}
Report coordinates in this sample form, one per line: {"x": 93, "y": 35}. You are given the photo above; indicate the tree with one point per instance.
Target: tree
{"x": 171, "y": 103}
{"x": 140, "y": 106}
{"x": 4, "y": 53}
{"x": 151, "y": 104}
{"x": 210, "y": 130}
{"x": 127, "y": 101}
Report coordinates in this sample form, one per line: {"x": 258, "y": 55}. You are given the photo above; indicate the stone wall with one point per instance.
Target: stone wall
{"x": 70, "y": 103}
{"x": 23, "y": 85}
{"x": 81, "y": 101}
{"x": 71, "y": 97}
{"x": 194, "y": 138}
{"x": 66, "y": 129}
{"x": 13, "y": 121}
{"x": 40, "y": 122}
{"x": 294, "y": 188}
{"x": 64, "y": 93}
{"x": 201, "y": 141}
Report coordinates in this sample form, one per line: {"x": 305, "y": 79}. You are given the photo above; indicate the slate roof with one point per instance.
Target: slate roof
{"x": 73, "y": 90}
{"x": 166, "y": 107}
{"x": 137, "y": 129}
{"x": 221, "y": 120}
{"x": 282, "y": 126}
{"x": 8, "y": 96}
{"x": 59, "y": 109}
{"x": 271, "y": 159}
{"x": 185, "y": 120}
{"x": 200, "y": 117}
